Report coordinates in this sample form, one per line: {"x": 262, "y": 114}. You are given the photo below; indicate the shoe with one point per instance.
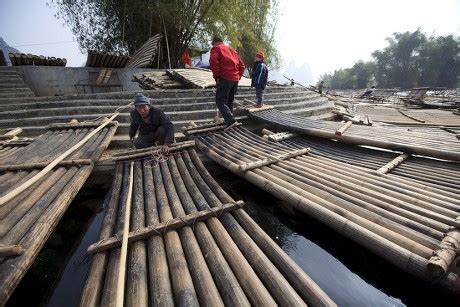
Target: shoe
{"x": 232, "y": 125}
{"x": 259, "y": 105}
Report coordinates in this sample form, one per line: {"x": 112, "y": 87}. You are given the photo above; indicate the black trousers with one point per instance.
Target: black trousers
{"x": 225, "y": 95}
{"x": 149, "y": 139}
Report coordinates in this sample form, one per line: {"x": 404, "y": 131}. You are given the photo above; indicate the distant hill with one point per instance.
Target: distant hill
{"x": 302, "y": 74}
{"x": 6, "y": 50}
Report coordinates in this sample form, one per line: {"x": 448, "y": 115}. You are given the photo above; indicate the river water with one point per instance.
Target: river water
{"x": 348, "y": 273}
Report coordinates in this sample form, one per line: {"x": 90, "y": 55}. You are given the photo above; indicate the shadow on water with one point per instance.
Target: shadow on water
{"x": 347, "y": 272}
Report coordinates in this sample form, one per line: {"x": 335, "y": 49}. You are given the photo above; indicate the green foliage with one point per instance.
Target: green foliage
{"x": 409, "y": 60}
{"x": 359, "y": 76}
{"x": 123, "y": 26}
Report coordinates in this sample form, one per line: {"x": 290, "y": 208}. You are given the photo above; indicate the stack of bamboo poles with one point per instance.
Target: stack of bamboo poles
{"x": 412, "y": 226}
{"x": 428, "y": 142}
{"x": 143, "y": 57}
{"x": 18, "y": 59}
{"x": 200, "y": 77}
{"x": 10, "y": 142}
{"x": 104, "y": 59}
{"x": 189, "y": 243}
{"x": 444, "y": 175}
{"x": 400, "y": 116}
{"x": 32, "y": 201}
{"x": 153, "y": 80}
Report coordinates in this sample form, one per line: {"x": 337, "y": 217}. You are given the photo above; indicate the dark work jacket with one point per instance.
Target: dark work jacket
{"x": 259, "y": 75}
{"x": 157, "y": 118}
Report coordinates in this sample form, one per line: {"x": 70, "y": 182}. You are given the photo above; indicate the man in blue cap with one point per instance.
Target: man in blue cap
{"x": 152, "y": 123}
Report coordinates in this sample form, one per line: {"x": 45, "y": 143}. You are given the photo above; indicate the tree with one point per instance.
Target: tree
{"x": 410, "y": 59}
{"x": 123, "y": 26}
{"x": 397, "y": 63}
{"x": 440, "y": 62}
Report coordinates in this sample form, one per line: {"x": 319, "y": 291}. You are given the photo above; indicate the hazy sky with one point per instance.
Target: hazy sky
{"x": 326, "y": 34}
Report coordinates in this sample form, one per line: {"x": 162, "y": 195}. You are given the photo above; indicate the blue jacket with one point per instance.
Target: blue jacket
{"x": 259, "y": 75}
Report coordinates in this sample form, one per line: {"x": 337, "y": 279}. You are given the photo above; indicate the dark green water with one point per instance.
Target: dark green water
{"x": 348, "y": 273}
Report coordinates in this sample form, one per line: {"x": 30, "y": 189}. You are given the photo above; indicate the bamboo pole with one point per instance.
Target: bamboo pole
{"x": 278, "y": 137}
{"x": 392, "y": 164}
{"x": 182, "y": 282}
{"x": 30, "y": 166}
{"x": 411, "y": 117}
{"x": 124, "y": 246}
{"x": 11, "y": 134}
{"x": 229, "y": 286}
{"x": 11, "y": 250}
{"x": 267, "y": 161}
{"x": 174, "y": 147}
{"x": 343, "y": 128}
{"x": 50, "y": 166}
{"x": 14, "y": 268}
{"x": 445, "y": 254}
{"x": 94, "y": 284}
{"x": 160, "y": 280}
{"x": 265, "y": 131}
{"x": 203, "y": 130}
{"x": 161, "y": 228}
{"x": 154, "y": 150}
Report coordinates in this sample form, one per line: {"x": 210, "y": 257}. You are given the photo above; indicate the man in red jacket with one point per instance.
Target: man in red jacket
{"x": 227, "y": 69}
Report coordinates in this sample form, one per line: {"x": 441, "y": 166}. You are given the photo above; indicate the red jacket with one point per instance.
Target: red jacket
{"x": 226, "y": 63}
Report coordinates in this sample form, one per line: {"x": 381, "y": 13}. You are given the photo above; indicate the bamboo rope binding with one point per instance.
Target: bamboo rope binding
{"x": 343, "y": 128}
{"x": 162, "y": 228}
{"x": 50, "y": 166}
{"x": 124, "y": 245}
{"x": 393, "y": 164}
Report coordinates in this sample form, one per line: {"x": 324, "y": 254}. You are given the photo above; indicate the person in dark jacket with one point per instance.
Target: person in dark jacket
{"x": 227, "y": 69}
{"x": 259, "y": 77}
{"x": 320, "y": 86}
{"x": 152, "y": 123}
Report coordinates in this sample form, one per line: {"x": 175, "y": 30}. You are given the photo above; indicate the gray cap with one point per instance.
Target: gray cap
{"x": 140, "y": 99}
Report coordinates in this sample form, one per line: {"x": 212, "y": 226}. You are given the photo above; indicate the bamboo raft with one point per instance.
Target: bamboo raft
{"x": 200, "y": 77}
{"x": 104, "y": 59}
{"x": 152, "y": 80}
{"x": 444, "y": 175}
{"x": 414, "y": 227}
{"x": 144, "y": 56}
{"x": 29, "y": 217}
{"x": 421, "y": 141}
{"x": 401, "y": 116}
{"x": 18, "y": 59}
{"x": 189, "y": 242}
